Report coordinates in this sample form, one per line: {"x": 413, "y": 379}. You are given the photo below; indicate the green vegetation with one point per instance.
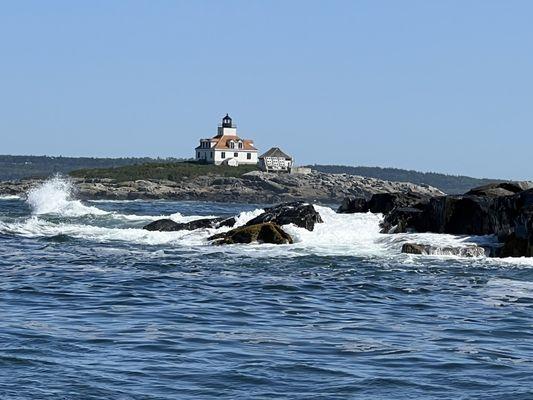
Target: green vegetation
{"x": 452, "y": 184}
{"x": 163, "y": 171}
{"x": 122, "y": 169}
{"x": 20, "y": 167}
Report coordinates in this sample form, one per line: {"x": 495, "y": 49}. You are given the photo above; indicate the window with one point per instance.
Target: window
{"x": 235, "y": 154}
{"x": 231, "y": 145}
{"x": 198, "y": 156}
{"x": 211, "y": 155}
{"x": 249, "y": 156}
{"x": 240, "y": 145}
{"x": 223, "y": 154}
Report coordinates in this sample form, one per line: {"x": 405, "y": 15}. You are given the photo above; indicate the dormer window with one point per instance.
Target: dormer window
{"x": 240, "y": 145}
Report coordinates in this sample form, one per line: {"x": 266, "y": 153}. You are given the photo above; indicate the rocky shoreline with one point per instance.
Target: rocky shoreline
{"x": 253, "y": 187}
{"x": 504, "y": 210}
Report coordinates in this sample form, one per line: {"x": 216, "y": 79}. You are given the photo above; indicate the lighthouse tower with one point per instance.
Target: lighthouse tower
{"x": 227, "y": 128}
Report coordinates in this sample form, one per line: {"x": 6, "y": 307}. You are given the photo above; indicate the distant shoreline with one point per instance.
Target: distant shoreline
{"x": 26, "y": 167}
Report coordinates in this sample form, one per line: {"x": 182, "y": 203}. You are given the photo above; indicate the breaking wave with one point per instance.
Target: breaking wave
{"x": 55, "y": 196}
{"x": 55, "y": 211}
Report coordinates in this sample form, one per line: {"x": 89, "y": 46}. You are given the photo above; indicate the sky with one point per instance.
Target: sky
{"x": 442, "y": 86}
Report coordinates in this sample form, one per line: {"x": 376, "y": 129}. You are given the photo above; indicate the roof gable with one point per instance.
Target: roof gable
{"x": 223, "y": 143}
{"x": 276, "y": 152}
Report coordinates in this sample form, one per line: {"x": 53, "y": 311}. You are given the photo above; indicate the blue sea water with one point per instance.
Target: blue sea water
{"x": 93, "y": 307}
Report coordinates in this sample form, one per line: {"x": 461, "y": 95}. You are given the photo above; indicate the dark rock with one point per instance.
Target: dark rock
{"x": 164, "y": 225}
{"x": 510, "y": 217}
{"x": 459, "y": 215}
{"x": 351, "y": 205}
{"x": 520, "y": 242}
{"x": 228, "y": 222}
{"x": 386, "y": 202}
{"x": 401, "y": 220}
{"x": 382, "y": 202}
{"x": 490, "y": 191}
{"x": 298, "y": 213}
{"x": 425, "y": 249}
{"x": 500, "y": 189}
{"x": 262, "y": 233}
{"x": 167, "y": 225}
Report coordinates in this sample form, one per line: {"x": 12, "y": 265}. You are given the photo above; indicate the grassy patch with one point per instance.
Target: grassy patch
{"x": 162, "y": 171}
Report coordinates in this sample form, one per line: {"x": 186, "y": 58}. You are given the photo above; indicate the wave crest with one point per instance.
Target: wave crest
{"x": 56, "y": 196}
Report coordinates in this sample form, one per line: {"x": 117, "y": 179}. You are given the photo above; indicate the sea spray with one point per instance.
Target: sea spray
{"x": 55, "y": 196}
{"x": 340, "y": 234}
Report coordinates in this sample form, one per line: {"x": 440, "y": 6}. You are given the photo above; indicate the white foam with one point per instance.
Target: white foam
{"x": 9, "y": 197}
{"x": 55, "y": 196}
{"x": 246, "y": 216}
{"x": 37, "y": 227}
{"x": 340, "y": 234}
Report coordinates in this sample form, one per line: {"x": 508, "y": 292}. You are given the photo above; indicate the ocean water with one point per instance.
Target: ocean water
{"x": 94, "y": 307}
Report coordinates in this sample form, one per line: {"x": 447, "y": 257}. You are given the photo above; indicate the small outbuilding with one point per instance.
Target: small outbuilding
{"x": 275, "y": 160}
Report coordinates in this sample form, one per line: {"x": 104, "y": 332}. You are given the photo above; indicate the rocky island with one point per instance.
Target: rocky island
{"x": 251, "y": 187}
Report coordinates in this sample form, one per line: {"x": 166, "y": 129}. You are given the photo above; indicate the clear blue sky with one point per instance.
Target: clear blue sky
{"x": 441, "y": 86}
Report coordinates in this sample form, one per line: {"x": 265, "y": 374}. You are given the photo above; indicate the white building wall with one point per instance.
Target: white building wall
{"x": 241, "y": 156}
{"x": 227, "y": 131}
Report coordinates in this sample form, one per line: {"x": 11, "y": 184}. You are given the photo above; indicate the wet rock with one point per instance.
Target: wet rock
{"x": 385, "y": 202}
{"x": 401, "y": 220}
{"x": 351, "y": 205}
{"x": 487, "y": 212}
{"x": 163, "y": 225}
{"x": 462, "y": 215}
{"x": 382, "y": 203}
{"x": 168, "y": 225}
{"x": 520, "y": 242}
{"x": 425, "y": 249}
{"x": 298, "y": 213}
{"x": 261, "y": 233}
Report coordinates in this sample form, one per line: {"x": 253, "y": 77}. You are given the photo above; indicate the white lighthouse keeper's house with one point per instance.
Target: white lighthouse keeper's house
{"x": 226, "y": 147}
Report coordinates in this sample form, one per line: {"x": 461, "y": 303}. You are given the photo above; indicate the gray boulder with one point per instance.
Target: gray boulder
{"x": 425, "y": 249}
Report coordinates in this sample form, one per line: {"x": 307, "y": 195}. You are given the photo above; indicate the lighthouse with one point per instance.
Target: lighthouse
{"x": 226, "y": 147}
